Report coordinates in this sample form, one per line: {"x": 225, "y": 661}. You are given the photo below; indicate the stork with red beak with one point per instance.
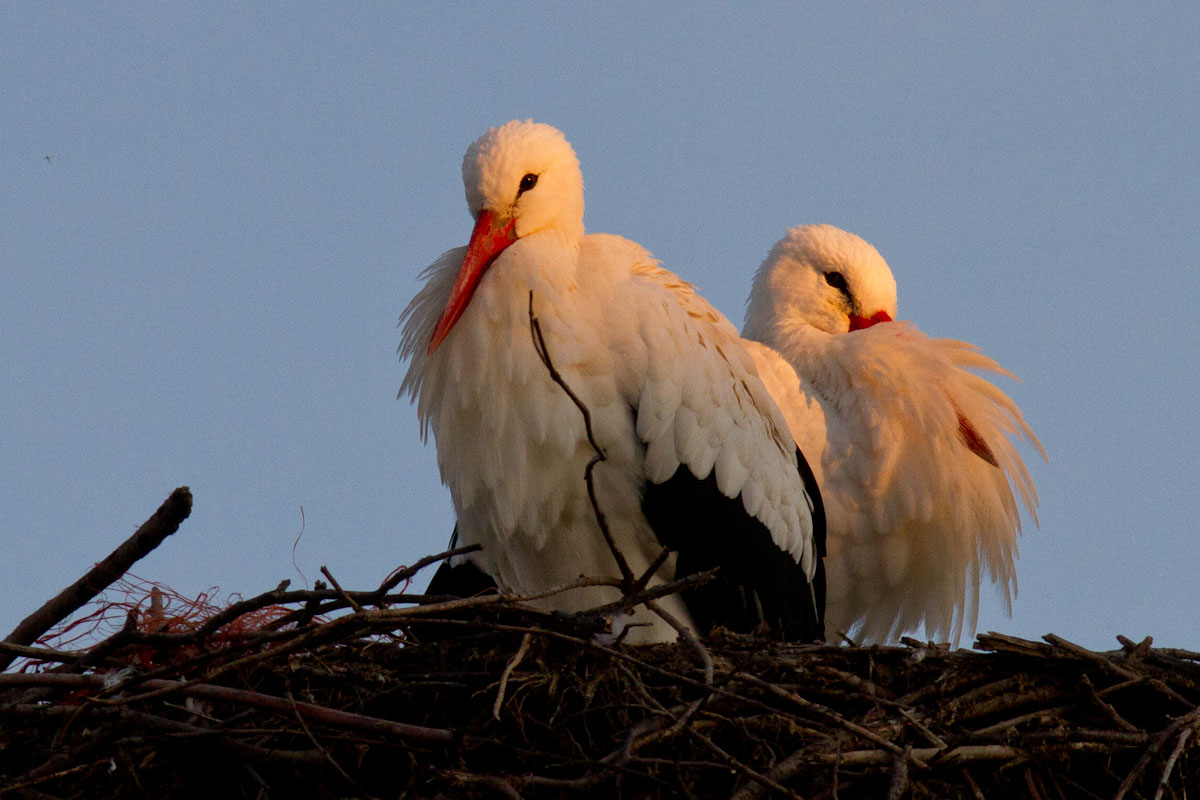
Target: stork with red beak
{"x": 912, "y": 448}
{"x": 697, "y": 458}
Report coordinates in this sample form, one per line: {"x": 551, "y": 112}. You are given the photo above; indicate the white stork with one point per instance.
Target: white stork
{"x": 698, "y": 459}
{"x": 912, "y": 449}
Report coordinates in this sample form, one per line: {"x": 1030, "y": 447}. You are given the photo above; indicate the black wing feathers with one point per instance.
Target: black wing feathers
{"x": 756, "y": 581}
{"x": 461, "y": 580}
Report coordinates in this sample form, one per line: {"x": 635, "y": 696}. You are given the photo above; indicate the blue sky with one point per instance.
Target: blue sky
{"x": 201, "y": 284}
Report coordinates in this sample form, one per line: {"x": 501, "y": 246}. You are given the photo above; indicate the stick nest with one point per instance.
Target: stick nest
{"x": 389, "y": 695}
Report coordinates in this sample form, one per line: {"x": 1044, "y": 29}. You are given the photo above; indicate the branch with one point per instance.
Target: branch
{"x": 162, "y": 523}
{"x": 208, "y": 691}
{"x": 404, "y": 573}
{"x": 539, "y": 345}
{"x": 508, "y": 670}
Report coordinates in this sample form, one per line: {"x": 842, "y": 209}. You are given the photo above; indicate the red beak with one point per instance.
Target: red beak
{"x": 488, "y": 240}
{"x": 858, "y": 323}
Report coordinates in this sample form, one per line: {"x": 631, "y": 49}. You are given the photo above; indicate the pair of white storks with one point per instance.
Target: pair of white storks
{"x": 538, "y": 350}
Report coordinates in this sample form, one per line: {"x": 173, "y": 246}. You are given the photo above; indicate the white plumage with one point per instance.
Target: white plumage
{"x": 912, "y": 448}
{"x": 665, "y": 377}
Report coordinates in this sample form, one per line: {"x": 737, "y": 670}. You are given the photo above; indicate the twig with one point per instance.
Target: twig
{"x": 827, "y": 713}
{"x": 654, "y": 592}
{"x": 40, "y": 653}
{"x": 686, "y": 634}
{"x": 899, "y": 776}
{"x": 1096, "y": 658}
{"x": 321, "y": 749}
{"x": 1189, "y": 719}
{"x": 932, "y": 737}
{"x": 746, "y": 770}
{"x": 404, "y": 573}
{"x": 976, "y": 792}
{"x": 292, "y": 758}
{"x": 508, "y": 670}
{"x": 491, "y": 781}
{"x": 539, "y": 345}
{"x": 1104, "y": 705}
{"x": 337, "y": 587}
{"x": 1136, "y": 650}
{"x": 641, "y": 583}
{"x": 25, "y": 784}
{"x": 777, "y": 774}
{"x": 1169, "y": 767}
{"x": 206, "y": 691}
{"x": 162, "y": 523}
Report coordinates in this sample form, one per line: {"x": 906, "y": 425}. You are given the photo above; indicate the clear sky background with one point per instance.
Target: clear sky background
{"x": 201, "y": 284}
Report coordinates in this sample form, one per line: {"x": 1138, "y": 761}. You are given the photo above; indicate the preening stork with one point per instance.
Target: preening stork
{"x": 912, "y": 448}
{"x": 697, "y": 457}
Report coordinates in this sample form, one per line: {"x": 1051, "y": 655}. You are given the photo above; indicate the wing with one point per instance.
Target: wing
{"x": 756, "y": 581}
{"x": 922, "y": 515}
{"x": 724, "y": 485}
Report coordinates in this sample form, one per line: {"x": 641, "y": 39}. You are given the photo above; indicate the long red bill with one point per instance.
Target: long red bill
{"x": 491, "y": 235}
{"x": 857, "y": 323}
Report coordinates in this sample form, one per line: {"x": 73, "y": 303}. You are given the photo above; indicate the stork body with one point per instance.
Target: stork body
{"x": 913, "y": 448}
{"x": 675, "y": 405}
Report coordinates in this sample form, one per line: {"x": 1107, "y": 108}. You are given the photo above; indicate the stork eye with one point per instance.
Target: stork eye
{"x": 527, "y": 183}
{"x": 837, "y": 280}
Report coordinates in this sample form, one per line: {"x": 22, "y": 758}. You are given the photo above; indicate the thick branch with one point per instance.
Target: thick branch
{"x": 162, "y": 523}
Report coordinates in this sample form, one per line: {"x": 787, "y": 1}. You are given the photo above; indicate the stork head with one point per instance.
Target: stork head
{"x": 821, "y": 276}
{"x": 521, "y": 179}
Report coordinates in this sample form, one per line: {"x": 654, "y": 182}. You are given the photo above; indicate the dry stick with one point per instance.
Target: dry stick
{"x": 899, "y": 776}
{"x": 1138, "y": 650}
{"x": 938, "y": 758}
{"x": 404, "y": 573}
{"x": 975, "y": 790}
{"x": 1189, "y": 720}
{"x": 652, "y": 570}
{"x": 689, "y": 637}
{"x": 778, "y": 773}
{"x": 501, "y": 785}
{"x": 337, "y": 587}
{"x": 655, "y": 592}
{"x": 222, "y": 738}
{"x": 745, "y": 769}
{"x": 40, "y": 653}
{"x": 1105, "y": 706}
{"x": 162, "y": 523}
{"x": 934, "y": 756}
{"x": 207, "y": 691}
{"x": 508, "y": 670}
{"x": 539, "y": 345}
{"x": 827, "y": 713}
{"x": 872, "y": 690}
{"x": 321, "y": 748}
{"x": 1169, "y": 767}
{"x": 279, "y": 596}
{"x": 16, "y": 787}
{"x": 1032, "y": 785}
{"x": 1096, "y": 658}
{"x": 911, "y": 716}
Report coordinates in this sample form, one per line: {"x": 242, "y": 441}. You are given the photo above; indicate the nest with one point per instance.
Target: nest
{"x": 388, "y": 694}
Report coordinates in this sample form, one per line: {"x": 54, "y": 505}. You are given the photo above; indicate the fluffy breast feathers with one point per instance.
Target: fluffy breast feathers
{"x": 642, "y": 350}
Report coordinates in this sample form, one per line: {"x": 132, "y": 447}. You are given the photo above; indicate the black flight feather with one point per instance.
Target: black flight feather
{"x": 756, "y": 581}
